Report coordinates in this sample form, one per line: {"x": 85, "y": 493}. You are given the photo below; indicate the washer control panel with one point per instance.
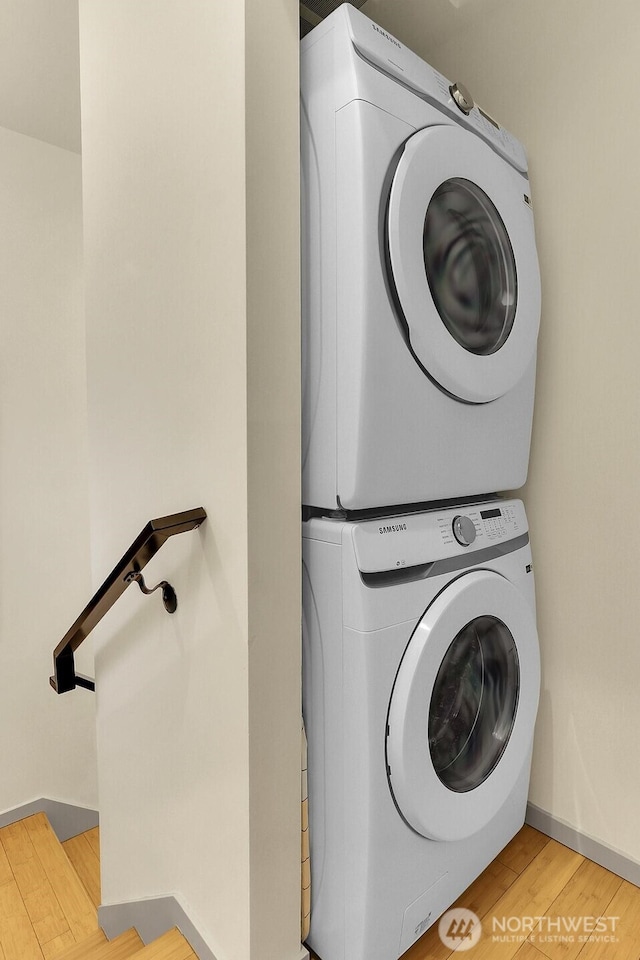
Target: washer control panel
{"x": 488, "y": 523}
{"x": 417, "y": 538}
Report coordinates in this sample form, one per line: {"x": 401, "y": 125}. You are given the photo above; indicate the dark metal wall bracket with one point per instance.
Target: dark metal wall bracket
{"x": 169, "y": 597}
{"x": 128, "y": 570}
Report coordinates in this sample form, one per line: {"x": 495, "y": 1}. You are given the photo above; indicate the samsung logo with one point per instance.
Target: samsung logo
{"x": 387, "y": 36}
{"x": 393, "y": 528}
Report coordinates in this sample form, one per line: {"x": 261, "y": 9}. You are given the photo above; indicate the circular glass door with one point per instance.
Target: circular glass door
{"x": 473, "y": 704}
{"x": 470, "y": 266}
{"x": 463, "y": 707}
{"x": 462, "y": 261}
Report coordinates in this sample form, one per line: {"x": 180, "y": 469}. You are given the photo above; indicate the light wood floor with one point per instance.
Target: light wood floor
{"x": 49, "y": 896}
{"x": 84, "y": 853}
{"x": 44, "y": 907}
{"x": 538, "y": 877}
{"x": 532, "y": 877}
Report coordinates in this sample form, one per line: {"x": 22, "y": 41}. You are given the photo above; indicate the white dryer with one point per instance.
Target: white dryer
{"x": 421, "y": 680}
{"x": 421, "y": 288}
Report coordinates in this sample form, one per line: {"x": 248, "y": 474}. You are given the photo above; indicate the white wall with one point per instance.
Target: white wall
{"x": 48, "y": 742}
{"x": 272, "y": 157}
{"x": 561, "y": 76}
{"x": 190, "y": 164}
{"x": 39, "y": 70}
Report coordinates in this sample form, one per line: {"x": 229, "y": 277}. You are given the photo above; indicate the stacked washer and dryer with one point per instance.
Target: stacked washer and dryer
{"x": 421, "y": 305}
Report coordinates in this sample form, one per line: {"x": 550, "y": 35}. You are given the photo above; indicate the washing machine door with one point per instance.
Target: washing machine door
{"x": 463, "y": 707}
{"x": 462, "y": 262}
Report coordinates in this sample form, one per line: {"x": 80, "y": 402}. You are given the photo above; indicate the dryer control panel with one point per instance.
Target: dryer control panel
{"x": 386, "y": 53}
{"x": 422, "y": 538}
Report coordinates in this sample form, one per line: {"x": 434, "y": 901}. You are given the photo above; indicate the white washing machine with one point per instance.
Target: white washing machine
{"x": 420, "y": 689}
{"x": 421, "y": 288}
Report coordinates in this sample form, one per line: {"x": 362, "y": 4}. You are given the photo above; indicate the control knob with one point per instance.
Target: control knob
{"x": 462, "y": 98}
{"x": 464, "y": 530}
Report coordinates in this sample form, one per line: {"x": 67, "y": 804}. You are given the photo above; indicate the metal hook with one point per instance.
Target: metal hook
{"x": 169, "y": 597}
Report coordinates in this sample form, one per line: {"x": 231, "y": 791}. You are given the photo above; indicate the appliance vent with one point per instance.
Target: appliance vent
{"x": 313, "y": 12}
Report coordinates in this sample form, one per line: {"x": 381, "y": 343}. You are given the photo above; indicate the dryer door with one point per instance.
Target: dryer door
{"x": 463, "y": 264}
{"x": 463, "y": 707}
